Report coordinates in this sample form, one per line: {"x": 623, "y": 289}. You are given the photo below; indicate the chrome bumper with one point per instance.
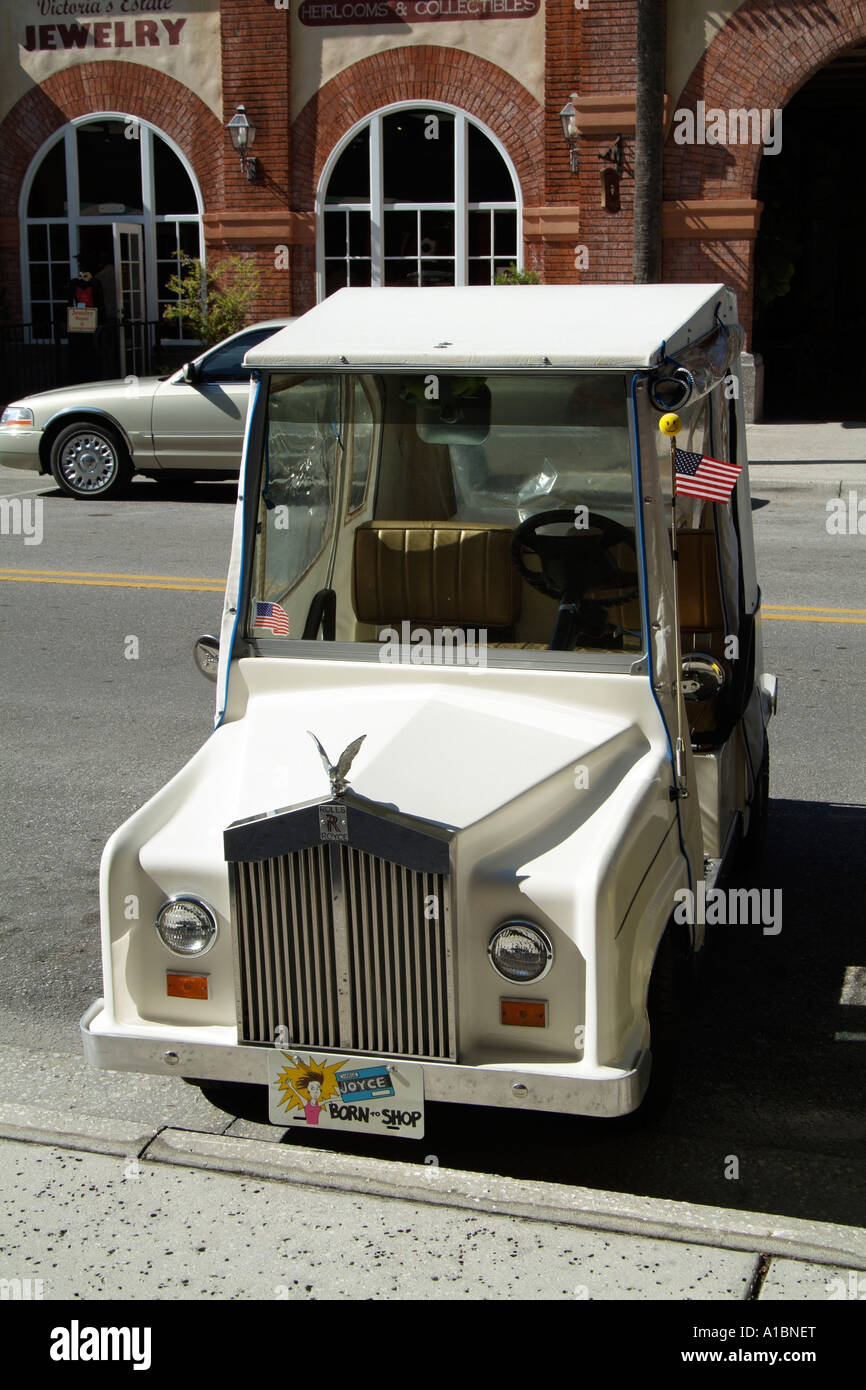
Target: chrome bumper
{"x": 561, "y": 1089}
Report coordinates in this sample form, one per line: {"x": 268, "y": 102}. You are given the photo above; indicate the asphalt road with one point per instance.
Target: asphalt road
{"x": 88, "y": 735}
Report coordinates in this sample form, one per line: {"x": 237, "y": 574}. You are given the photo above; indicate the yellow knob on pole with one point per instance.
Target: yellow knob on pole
{"x": 670, "y": 424}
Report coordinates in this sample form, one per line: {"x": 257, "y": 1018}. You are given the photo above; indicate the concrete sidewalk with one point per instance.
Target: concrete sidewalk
{"x": 99, "y": 1208}
{"x": 823, "y": 442}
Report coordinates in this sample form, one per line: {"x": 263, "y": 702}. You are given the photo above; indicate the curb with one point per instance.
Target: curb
{"x": 720, "y": 1227}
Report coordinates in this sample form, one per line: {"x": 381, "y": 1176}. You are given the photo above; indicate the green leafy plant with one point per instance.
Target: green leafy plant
{"x": 513, "y": 276}
{"x": 214, "y": 302}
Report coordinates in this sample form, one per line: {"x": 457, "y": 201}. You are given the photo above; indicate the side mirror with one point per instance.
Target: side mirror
{"x": 206, "y": 654}
{"x": 190, "y": 372}
{"x": 702, "y": 676}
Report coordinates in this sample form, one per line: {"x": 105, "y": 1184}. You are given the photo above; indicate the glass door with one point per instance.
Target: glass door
{"x": 129, "y": 278}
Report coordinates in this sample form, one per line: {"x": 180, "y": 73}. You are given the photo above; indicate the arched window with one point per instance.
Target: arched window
{"x": 417, "y": 195}
{"x": 109, "y": 191}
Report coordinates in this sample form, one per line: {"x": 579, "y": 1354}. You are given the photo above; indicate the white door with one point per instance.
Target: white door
{"x": 129, "y": 278}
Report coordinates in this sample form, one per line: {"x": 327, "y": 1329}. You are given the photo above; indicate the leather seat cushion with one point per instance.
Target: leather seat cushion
{"x": 435, "y": 572}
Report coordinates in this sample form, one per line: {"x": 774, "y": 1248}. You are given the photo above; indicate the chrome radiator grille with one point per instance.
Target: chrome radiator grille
{"x": 344, "y": 950}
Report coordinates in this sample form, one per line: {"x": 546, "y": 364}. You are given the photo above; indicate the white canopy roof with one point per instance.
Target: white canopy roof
{"x": 508, "y": 326}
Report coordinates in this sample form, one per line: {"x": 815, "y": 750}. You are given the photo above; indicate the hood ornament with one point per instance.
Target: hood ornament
{"x": 337, "y": 771}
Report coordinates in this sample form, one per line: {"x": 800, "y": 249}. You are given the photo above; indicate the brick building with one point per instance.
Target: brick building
{"x": 420, "y": 142}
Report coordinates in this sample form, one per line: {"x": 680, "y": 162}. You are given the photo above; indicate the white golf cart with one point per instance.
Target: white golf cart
{"x": 472, "y": 738}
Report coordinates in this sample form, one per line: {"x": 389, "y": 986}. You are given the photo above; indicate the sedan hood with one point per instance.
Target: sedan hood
{"x": 84, "y": 393}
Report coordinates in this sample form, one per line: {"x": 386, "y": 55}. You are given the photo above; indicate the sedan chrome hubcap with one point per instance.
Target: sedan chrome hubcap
{"x": 88, "y": 462}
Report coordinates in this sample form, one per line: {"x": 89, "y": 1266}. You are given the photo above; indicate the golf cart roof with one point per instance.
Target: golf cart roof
{"x": 505, "y": 326}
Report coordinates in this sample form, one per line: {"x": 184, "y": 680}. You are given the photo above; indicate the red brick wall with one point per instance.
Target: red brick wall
{"x": 564, "y": 27}
{"x": 256, "y": 73}
{"x": 607, "y": 65}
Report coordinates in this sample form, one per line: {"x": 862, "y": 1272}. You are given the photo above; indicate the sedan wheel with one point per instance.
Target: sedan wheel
{"x": 90, "y": 461}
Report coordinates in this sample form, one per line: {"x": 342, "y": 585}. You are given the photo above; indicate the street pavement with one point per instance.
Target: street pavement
{"x": 116, "y": 1186}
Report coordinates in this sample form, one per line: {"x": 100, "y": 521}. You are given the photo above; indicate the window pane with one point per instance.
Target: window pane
{"x": 173, "y": 187}
{"x": 479, "y": 233}
{"x": 48, "y": 192}
{"x": 109, "y": 169}
{"x": 188, "y": 238}
{"x": 403, "y": 273}
{"x": 166, "y": 240}
{"x": 360, "y": 273}
{"x": 437, "y": 272}
{"x": 335, "y": 234}
{"x": 59, "y": 243}
{"x": 418, "y": 168}
{"x": 335, "y": 276}
{"x": 37, "y": 242}
{"x": 479, "y": 272}
{"x": 489, "y": 179}
{"x": 401, "y": 233}
{"x": 359, "y": 233}
{"x": 437, "y": 233}
{"x": 350, "y": 181}
{"x": 40, "y": 282}
{"x": 505, "y": 231}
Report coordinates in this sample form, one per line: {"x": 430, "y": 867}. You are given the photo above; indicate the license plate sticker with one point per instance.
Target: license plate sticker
{"x": 370, "y": 1095}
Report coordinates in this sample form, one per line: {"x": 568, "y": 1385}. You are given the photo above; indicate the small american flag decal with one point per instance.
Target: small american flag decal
{"x": 272, "y": 617}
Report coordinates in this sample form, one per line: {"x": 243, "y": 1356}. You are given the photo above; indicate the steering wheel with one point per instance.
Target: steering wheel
{"x": 572, "y": 566}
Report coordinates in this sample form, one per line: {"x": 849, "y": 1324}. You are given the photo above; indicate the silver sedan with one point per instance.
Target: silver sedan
{"x": 94, "y": 437}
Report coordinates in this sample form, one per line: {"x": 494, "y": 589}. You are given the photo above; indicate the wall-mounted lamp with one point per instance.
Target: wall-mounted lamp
{"x": 570, "y": 133}
{"x": 243, "y": 133}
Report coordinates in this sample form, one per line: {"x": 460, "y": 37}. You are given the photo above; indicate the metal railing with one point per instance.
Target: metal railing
{"x": 41, "y": 356}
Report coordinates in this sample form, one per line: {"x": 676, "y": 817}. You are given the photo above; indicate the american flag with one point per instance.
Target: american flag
{"x": 699, "y": 476}
{"x": 272, "y": 616}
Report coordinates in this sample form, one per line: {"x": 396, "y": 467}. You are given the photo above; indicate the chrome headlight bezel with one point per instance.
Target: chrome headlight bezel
{"x": 543, "y": 943}
{"x": 210, "y": 921}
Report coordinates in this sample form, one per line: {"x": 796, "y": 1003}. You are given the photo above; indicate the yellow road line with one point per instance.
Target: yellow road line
{"x": 107, "y": 574}
{"x": 807, "y": 618}
{"x": 207, "y": 586}
{"x": 805, "y": 608}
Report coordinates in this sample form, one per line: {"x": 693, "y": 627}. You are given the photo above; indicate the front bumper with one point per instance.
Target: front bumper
{"x": 19, "y": 448}
{"x": 565, "y": 1088}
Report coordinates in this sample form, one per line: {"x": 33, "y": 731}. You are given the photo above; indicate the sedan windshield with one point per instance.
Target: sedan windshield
{"x": 497, "y": 505}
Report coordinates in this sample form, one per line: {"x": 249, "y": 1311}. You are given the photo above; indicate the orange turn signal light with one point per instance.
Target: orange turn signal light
{"x": 523, "y": 1013}
{"x": 186, "y": 986}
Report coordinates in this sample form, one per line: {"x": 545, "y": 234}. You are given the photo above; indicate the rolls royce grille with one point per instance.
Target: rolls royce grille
{"x": 344, "y": 950}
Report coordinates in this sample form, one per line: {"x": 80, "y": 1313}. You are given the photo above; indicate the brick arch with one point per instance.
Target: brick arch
{"x": 88, "y": 88}
{"x": 766, "y": 51}
{"x": 422, "y": 73}
{"x": 763, "y": 55}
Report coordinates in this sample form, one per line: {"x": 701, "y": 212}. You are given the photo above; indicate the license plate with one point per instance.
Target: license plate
{"x": 308, "y": 1091}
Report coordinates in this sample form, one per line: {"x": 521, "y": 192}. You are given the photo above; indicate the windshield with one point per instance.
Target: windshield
{"x": 497, "y": 506}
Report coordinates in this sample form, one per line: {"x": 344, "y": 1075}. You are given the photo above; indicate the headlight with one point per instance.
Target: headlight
{"x": 520, "y": 952}
{"x": 186, "y": 926}
{"x": 16, "y": 415}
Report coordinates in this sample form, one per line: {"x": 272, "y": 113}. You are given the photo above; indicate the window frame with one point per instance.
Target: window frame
{"x": 375, "y": 206}
{"x": 148, "y": 219}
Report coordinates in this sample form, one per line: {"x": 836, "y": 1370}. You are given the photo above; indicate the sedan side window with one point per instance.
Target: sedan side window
{"x": 224, "y": 363}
